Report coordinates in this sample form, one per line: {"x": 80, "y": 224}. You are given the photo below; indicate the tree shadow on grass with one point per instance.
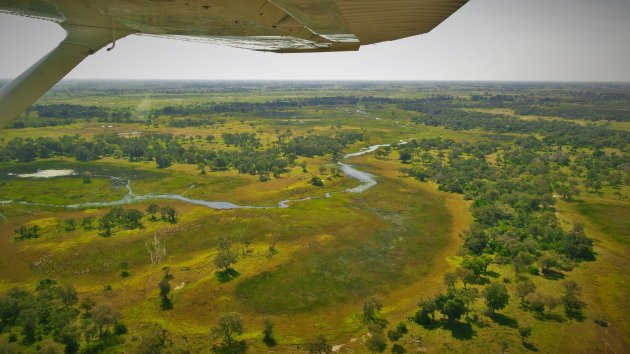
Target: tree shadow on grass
{"x": 552, "y": 317}
{"x": 530, "y": 346}
{"x": 479, "y": 321}
{"x": 227, "y": 275}
{"x": 235, "y": 348}
{"x": 553, "y": 275}
{"x": 430, "y": 324}
{"x": 492, "y": 274}
{"x": 460, "y": 330}
{"x": 270, "y": 341}
{"x": 576, "y": 315}
{"x": 481, "y": 281}
{"x": 504, "y": 320}
{"x": 380, "y": 321}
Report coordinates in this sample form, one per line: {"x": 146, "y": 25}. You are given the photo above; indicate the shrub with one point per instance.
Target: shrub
{"x": 316, "y": 181}
{"x": 120, "y": 328}
{"x": 399, "y": 349}
{"x": 394, "y": 335}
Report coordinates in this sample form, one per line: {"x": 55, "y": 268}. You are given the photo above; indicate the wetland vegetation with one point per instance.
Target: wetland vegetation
{"x": 316, "y": 217}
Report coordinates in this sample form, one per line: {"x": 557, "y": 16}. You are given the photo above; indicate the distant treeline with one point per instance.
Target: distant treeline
{"x": 60, "y": 114}
{"x": 69, "y": 111}
{"x": 280, "y": 104}
{"x": 113, "y": 114}
{"x": 554, "y": 131}
{"x": 576, "y": 105}
{"x": 587, "y": 105}
{"x": 79, "y": 111}
{"x": 64, "y": 114}
{"x": 576, "y": 112}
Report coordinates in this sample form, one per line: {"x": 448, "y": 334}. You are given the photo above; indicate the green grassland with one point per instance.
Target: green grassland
{"x": 59, "y": 190}
{"x": 395, "y": 241}
{"x": 330, "y": 251}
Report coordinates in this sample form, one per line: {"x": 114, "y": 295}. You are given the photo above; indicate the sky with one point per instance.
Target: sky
{"x": 489, "y": 40}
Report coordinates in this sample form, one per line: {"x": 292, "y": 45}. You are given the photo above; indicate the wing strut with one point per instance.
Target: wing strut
{"x": 23, "y": 91}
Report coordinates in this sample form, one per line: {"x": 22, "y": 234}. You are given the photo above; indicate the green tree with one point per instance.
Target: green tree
{"x": 106, "y": 223}
{"x": 168, "y": 213}
{"x": 26, "y": 153}
{"x": 67, "y": 294}
{"x": 548, "y": 263}
{"x": 70, "y": 224}
{"x": 453, "y": 309}
{"x": 465, "y": 275}
{"x": 450, "y": 279}
{"x": 267, "y": 332}
{"x": 571, "y": 299}
{"x": 24, "y": 232}
{"x": 524, "y": 288}
{"x": 70, "y": 337}
{"x": 153, "y": 343}
{"x": 477, "y": 264}
{"x": 426, "y": 314}
{"x": 371, "y": 305}
{"x": 87, "y": 223}
{"x": 376, "y": 343}
{"x": 28, "y": 319}
{"x": 469, "y": 296}
{"x": 103, "y": 317}
{"x": 228, "y": 326}
{"x": 87, "y": 177}
{"x": 405, "y": 155}
{"x": 401, "y": 327}
{"x": 524, "y": 332}
{"x": 163, "y": 161}
{"x": 316, "y": 181}
{"x": 398, "y": 349}
{"x": 165, "y": 299}
{"x": 153, "y": 209}
{"x": 132, "y": 219}
{"x": 496, "y": 296}
{"x": 224, "y": 260}
{"x": 318, "y": 345}
{"x": 82, "y": 153}
{"x": 383, "y": 153}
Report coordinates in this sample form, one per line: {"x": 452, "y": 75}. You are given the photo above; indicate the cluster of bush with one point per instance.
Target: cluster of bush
{"x": 27, "y": 232}
{"x": 53, "y": 311}
{"x": 128, "y": 219}
{"x": 512, "y": 200}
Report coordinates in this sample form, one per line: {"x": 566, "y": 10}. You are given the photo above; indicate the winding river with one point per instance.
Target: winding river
{"x": 367, "y": 181}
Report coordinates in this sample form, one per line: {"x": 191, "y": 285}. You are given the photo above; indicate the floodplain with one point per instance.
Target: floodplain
{"x": 498, "y": 221}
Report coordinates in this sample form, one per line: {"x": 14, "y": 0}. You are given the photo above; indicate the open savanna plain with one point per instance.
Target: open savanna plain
{"x": 262, "y": 242}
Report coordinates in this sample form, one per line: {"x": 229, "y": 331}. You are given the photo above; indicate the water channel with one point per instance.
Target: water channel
{"x": 367, "y": 181}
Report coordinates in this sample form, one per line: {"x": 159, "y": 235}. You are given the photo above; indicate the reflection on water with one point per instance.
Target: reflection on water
{"x": 367, "y": 180}
{"x": 46, "y": 174}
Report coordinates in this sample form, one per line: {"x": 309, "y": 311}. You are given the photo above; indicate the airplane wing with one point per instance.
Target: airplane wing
{"x": 283, "y": 26}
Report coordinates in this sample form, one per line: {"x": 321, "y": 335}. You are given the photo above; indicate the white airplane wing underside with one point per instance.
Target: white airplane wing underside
{"x": 284, "y": 26}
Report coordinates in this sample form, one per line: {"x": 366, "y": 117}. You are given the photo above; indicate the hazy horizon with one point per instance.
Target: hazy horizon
{"x": 69, "y": 80}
